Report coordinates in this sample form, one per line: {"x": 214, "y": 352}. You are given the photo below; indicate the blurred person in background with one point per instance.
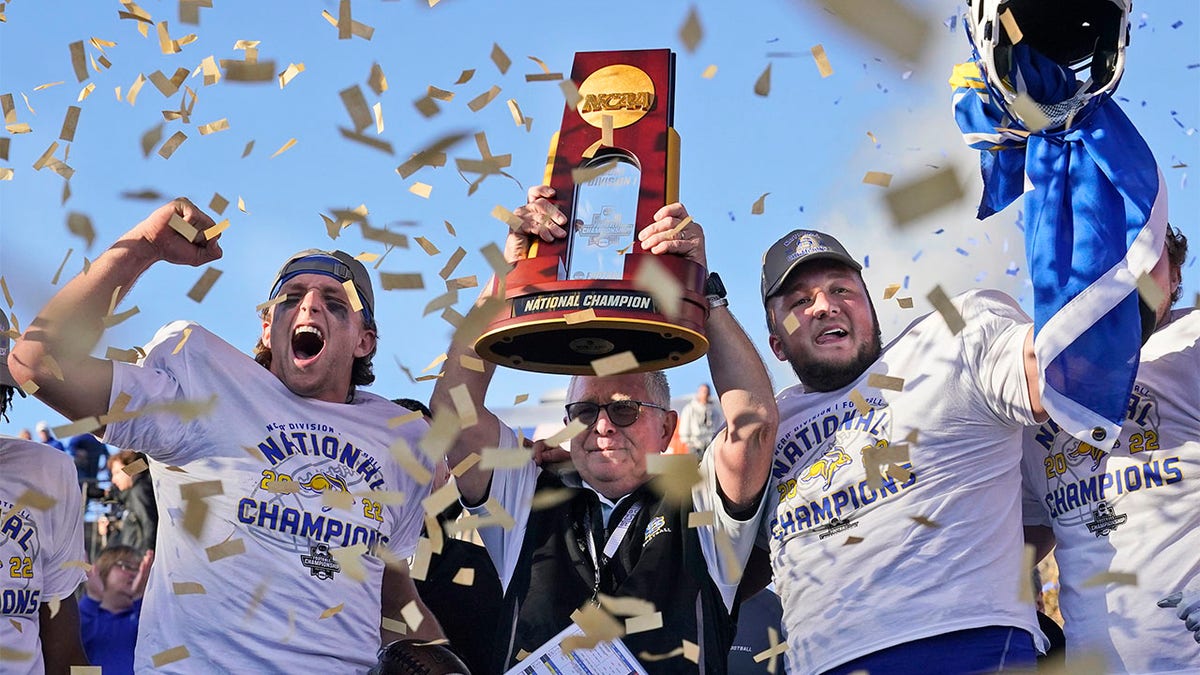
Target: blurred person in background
{"x": 112, "y": 605}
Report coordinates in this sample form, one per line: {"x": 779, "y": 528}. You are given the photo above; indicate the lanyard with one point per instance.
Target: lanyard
{"x": 610, "y": 545}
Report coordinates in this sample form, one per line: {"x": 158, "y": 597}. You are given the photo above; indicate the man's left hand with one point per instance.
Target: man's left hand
{"x": 1187, "y": 606}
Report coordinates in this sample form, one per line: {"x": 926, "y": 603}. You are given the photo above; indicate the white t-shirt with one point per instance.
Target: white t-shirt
{"x": 285, "y": 604}
{"x": 856, "y": 570}
{"x": 37, "y": 547}
{"x": 1134, "y": 510}
{"x": 514, "y": 489}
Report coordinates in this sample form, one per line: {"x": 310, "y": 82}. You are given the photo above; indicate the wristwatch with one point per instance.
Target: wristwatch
{"x": 714, "y": 290}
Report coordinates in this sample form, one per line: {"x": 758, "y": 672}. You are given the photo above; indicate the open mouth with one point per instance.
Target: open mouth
{"x": 307, "y": 342}
{"x": 831, "y": 335}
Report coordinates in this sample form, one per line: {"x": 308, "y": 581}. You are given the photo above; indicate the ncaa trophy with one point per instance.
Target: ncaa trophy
{"x": 620, "y": 188}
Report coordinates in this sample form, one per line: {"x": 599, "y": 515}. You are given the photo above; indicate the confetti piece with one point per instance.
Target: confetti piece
{"x": 762, "y": 86}
{"x": 201, "y": 490}
{"x": 77, "y": 60}
{"x": 502, "y": 458}
{"x": 170, "y": 656}
{"x": 412, "y": 615}
{"x": 465, "y": 576}
{"x": 888, "y": 23}
{"x": 1010, "y": 26}
{"x": 184, "y": 228}
{"x": 1150, "y": 291}
{"x": 667, "y": 291}
{"x": 691, "y": 651}
{"x": 701, "y": 518}
{"x": 394, "y": 625}
{"x": 422, "y": 190}
{"x": 204, "y": 284}
{"x": 84, "y": 425}
{"x": 226, "y": 549}
{"x": 172, "y": 145}
{"x": 135, "y": 467}
{"x": 885, "y": 382}
{"x": 922, "y": 520}
{"x": 773, "y": 652}
{"x": 70, "y": 121}
{"x": 617, "y": 363}
{"x": 691, "y": 32}
{"x": 376, "y": 80}
{"x": 286, "y": 146}
{"x": 822, "y": 60}
{"x": 581, "y": 316}
{"x": 759, "y": 205}
{"x": 924, "y": 196}
{"x": 570, "y": 93}
{"x": 1119, "y": 578}
{"x": 332, "y": 611}
{"x": 860, "y": 403}
{"x": 653, "y": 658}
{"x": 393, "y": 281}
{"x": 195, "y": 513}
{"x": 905, "y": 303}
{"x": 86, "y": 670}
{"x": 500, "y": 59}
{"x": 710, "y": 72}
{"x": 878, "y": 178}
{"x": 356, "y": 105}
{"x": 941, "y": 302}
{"x": 646, "y": 622}
{"x": 213, "y": 127}
{"x": 188, "y": 588}
{"x": 790, "y": 323}
{"x": 890, "y": 291}
{"x": 480, "y": 102}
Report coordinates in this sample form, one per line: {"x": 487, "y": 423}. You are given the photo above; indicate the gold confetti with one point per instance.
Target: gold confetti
{"x": 1010, "y": 26}
{"x": 923, "y": 196}
{"x": 667, "y": 291}
{"x": 691, "y": 32}
{"x": 422, "y": 190}
{"x": 759, "y": 205}
{"x": 790, "y": 323}
{"x": 188, "y": 588}
{"x": 377, "y": 81}
{"x": 1150, "y": 291}
{"x": 710, "y": 72}
{"x": 170, "y": 656}
{"x": 905, "y": 303}
{"x": 465, "y": 576}
{"x": 356, "y": 105}
{"x": 225, "y": 549}
{"x": 500, "y": 59}
{"x": 480, "y": 102}
{"x": 878, "y": 178}
{"x": 331, "y": 611}
{"x": 241, "y": 203}
{"x": 860, "y": 403}
{"x": 286, "y": 146}
{"x": 890, "y": 291}
{"x": 941, "y": 302}
{"x": 701, "y": 518}
{"x": 622, "y": 362}
{"x": 885, "y": 382}
{"x": 762, "y": 86}
{"x": 1119, "y": 578}
{"x": 581, "y": 316}
{"x": 70, "y": 121}
{"x": 889, "y": 23}
{"x": 822, "y": 60}
{"x": 646, "y": 622}
{"x": 213, "y": 127}
{"x": 172, "y": 144}
{"x": 77, "y": 60}
{"x": 204, "y": 284}
{"x": 392, "y": 281}
{"x": 922, "y": 520}
{"x": 290, "y": 74}
{"x": 504, "y": 458}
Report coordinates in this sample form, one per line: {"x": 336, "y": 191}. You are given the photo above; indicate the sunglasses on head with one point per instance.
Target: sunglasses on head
{"x": 621, "y": 413}
{"x": 126, "y": 565}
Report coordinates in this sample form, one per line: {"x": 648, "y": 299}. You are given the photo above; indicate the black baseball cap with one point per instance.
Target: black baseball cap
{"x": 337, "y": 264}
{"x": 795, "y": 247}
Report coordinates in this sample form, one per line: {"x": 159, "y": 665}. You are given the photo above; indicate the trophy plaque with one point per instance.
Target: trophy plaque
{"x": 544, "y": 326}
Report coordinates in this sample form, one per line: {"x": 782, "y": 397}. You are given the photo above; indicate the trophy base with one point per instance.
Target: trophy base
{"x": 552, "y": 345}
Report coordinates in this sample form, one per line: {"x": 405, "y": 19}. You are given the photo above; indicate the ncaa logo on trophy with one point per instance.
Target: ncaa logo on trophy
{"x": 609, "y": 192}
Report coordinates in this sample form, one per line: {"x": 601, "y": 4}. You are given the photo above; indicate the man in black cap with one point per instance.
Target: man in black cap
{"x": 896, "y": 533}
{"x": 276, "y": 477}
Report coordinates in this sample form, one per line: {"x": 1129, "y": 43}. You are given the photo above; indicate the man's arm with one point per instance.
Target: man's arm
{"x": 1032, "y": 379}
{"x": 61, "y": 645}
{"x": 59, "y": 341}
{"x": 744, "y": 449}
{"x": 1042, "y": 539}
{"x": 399, "y": 590}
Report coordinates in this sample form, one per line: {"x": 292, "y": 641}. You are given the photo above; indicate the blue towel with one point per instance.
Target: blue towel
{"x": 1095, "y": 221}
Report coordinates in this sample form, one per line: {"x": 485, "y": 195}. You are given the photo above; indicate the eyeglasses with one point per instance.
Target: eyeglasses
{"x": 621, "y": 413}
{"x": 127, "y": 566}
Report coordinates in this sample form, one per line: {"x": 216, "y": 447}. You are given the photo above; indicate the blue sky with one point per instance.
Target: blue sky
{"x": 808, "y": 144}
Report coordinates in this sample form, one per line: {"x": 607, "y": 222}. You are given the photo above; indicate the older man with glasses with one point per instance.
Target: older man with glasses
{"x": 599, "y": 529}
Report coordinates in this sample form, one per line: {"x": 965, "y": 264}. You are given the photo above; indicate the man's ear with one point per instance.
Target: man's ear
{"x": 670, "y": 421}
{"x": 266, "y": 330}
{"x": 366, "y": 344}
{"x": 776, "y": 347}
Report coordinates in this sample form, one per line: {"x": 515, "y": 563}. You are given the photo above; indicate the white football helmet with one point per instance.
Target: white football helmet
{"x": 1087, "y": 36}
